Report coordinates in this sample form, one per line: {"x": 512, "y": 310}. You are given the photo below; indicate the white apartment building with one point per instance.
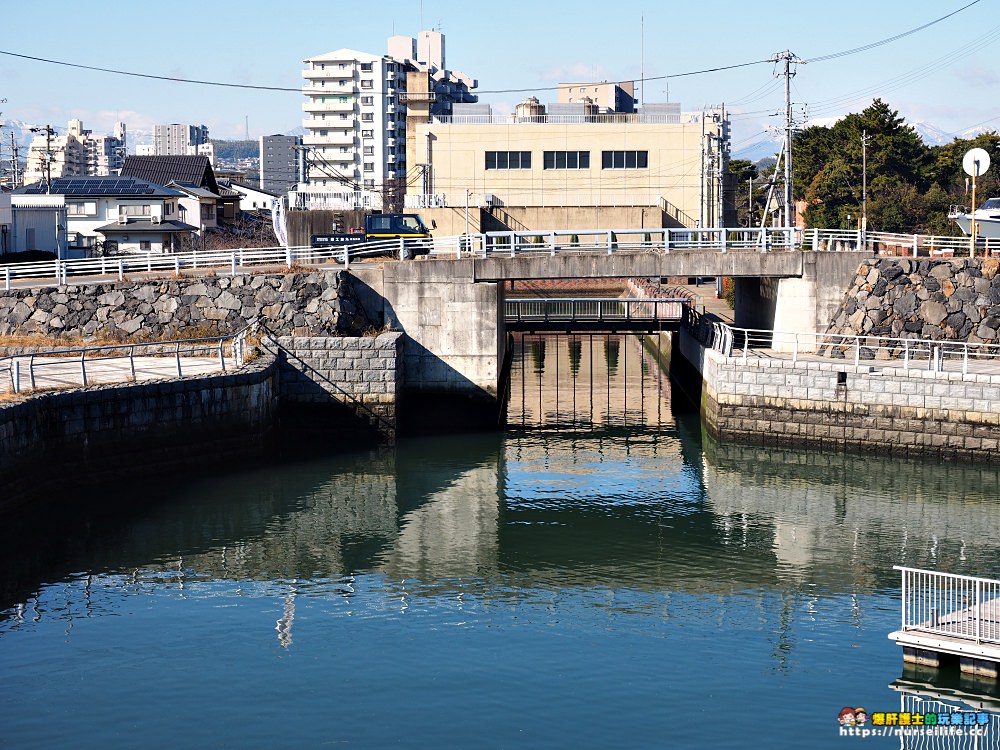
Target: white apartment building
{"x": 355, "y": 115}
{"x": 76, "y": 153}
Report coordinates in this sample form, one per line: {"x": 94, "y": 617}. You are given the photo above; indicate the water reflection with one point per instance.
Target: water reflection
{"x": 604, "y": 529}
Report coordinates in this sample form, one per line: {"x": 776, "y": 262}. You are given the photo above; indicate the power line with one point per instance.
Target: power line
{"x": 873, "y": 45}
{"x": 149, "y": 75}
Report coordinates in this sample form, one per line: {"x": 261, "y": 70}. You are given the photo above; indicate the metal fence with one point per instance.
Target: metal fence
{"x": 950, "y": 605}
{"x": 594, "y": 309}
{"x": 84, "y": 366}
{"x": 938, "y": 355}
{"x": 507, "y": 243}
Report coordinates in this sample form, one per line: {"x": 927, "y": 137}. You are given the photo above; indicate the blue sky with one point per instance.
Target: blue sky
{"x": 947, "y": 75}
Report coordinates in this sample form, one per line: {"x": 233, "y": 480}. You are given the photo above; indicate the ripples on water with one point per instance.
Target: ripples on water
{"x": 615, "y": 582}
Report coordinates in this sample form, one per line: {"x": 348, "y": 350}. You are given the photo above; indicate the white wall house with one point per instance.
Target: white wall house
{"x": 109, "y": 215}
{"x": 197, "y": 206}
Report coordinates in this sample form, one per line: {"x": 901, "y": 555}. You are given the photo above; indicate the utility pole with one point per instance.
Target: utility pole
{"x": 48, "y": 154}
{"x": 15, "y": 177}
{"x": 864, "y": 182}
{"x": 788, "y": 58}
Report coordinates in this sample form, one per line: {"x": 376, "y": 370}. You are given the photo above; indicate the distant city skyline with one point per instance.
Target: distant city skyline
{"x": 945, "y": 74}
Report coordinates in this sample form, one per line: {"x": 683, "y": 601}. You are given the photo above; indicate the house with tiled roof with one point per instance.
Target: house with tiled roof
{"x": 162, "y": 170}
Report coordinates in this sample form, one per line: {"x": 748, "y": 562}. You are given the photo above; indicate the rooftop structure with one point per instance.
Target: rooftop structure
{"x": 77, "y": 152}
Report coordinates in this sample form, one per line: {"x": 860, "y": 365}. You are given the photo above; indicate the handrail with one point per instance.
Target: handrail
{"x": 842, "y": 347}
{"x": 534, "y": 310}
{"x": 956, "y": 606}
{"x": 507, "y": 243}
{"x": 215, "y": 344}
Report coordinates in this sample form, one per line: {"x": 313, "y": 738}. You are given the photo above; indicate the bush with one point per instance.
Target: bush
{"x": 729, "y": 292}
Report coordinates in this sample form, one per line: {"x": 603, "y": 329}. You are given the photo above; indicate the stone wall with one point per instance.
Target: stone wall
{"x": 113, "y": 432}
{"x": 921, "y": 298}
{"x": 300, "y": 304}
{"x": 840, "y": 406}
{"x": 360, "y": 375}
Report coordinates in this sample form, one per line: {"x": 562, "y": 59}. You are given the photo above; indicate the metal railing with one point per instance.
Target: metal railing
{"x": 130, "y": 362}
{"x": 951, "y": 605}
{"x": 507, "y": 243}
{"x": 938, "y": 355}
{"x": 594, "y": 309}
{"x": 894, "y": 243}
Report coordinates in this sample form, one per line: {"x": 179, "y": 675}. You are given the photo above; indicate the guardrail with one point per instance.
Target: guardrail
{"x": 594, "y": 309}
{"x": 939, "y": 355}
{"x": 509, "y": 243}
{"x": 951, "y": 605}
{"x": 229, "y": 350}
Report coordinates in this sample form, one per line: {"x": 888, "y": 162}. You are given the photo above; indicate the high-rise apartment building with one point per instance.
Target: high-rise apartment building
{"x": 280, "y": 156}
{"x": 178, "y": 140}
{"x": 77, "y": 152}
{"x": 356, "y": 118}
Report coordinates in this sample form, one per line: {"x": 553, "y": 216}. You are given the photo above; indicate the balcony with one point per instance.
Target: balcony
{"x": 314, "y": 90}
{"x": 333, "y": 138}
{"x": 332, "y": 71}
{"x": 332, "y": 104}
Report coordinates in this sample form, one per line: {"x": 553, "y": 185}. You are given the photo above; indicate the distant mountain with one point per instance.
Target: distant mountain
{"x": 298, "y": 131}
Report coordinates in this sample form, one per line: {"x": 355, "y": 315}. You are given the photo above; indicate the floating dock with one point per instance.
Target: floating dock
{"x": 949, "y": 617}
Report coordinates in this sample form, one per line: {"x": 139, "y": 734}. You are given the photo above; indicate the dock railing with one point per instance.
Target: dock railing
{"x": 950, "y": 605}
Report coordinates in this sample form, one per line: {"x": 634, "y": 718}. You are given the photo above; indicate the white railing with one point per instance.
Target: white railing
{"x": 951, "y": 605}
{"x": 894, "y": 243}
{"x": 118, "y": 362}
{"x": 594, "y": 309}
{"x": 504, "y": 244}
{"x": 939, "y": 355}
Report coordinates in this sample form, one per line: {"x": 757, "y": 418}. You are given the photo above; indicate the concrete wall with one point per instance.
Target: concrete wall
{"x": 915, "y": 412}
{"x": 118, "y": 431}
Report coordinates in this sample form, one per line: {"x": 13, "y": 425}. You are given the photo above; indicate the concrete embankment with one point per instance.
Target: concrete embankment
{"x": 834, "y": 405}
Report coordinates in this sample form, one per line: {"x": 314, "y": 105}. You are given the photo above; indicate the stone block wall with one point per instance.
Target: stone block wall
{"x": 361, "y": 374}
{"x": 121, "y": 430}
{"x": 300, "y": 304}
{"x": 888, "y": 410}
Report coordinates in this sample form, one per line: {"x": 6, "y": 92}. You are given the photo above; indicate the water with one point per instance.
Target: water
{"x": 599, "y": 576}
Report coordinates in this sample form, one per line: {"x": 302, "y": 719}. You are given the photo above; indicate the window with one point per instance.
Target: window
{"x": 367, "y": 117}
{"x": 126, "y": 210}
{"x": 323, "y": 133}
{"x": 367, "y": 133}
{"x": 207, "y": 211}
{"x": 566, "y": 160}
{"x": 369, "y": 166}
{"x": 344, "y": 149}
{"x": 366, "y": 67}
{"x": 624, "y": 160}
{"x": 84, "y": 208}
{"x": 508, "y": 160}
{"x": 144, "y": 246}
{"x": 369, "y": 183}
{"x": 367, "y": 83}
{"x": 368, "y": 100}
{"x": 343, "y": 116}
{"x": 369, "y": 150}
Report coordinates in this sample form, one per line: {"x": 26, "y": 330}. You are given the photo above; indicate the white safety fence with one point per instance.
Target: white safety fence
{"x": 85, "y": 366}
{"x": 500, "y": 244}
{"x": 939, "y": 355}
{"x": 950, "y": 605}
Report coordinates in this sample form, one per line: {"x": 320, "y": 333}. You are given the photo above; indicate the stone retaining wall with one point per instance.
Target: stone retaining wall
{"x": 908, "y": 298}
{"x": 300, "y": 304}
{"x": 889, "y": 410}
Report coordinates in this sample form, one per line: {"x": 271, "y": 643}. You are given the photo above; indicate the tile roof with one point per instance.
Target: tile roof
{"x": 165, "y": 169}
{"x": 144, "y": 226}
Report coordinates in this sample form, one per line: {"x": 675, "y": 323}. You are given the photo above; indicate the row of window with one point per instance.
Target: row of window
{"x": 567, "y": 160}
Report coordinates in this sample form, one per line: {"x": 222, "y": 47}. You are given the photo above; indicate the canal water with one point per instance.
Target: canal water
{"x": 599, "y": 575}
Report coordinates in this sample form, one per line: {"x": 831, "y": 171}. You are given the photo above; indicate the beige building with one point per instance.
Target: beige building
{"x": 534, "y": 170}
{"x": 609, "y": 97}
